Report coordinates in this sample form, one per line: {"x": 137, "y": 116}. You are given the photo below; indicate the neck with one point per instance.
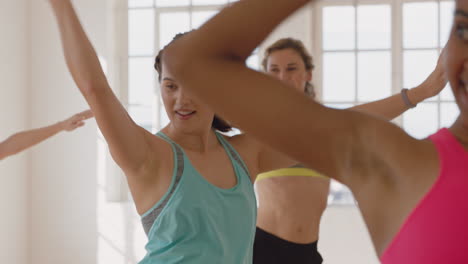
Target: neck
{"x": 460, "y": 131}
{"x": 196, "y": 141}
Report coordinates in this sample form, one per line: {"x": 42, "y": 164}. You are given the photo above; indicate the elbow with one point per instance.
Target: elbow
{"x": 87, "y": 90}
{"x": 90, "y": 88}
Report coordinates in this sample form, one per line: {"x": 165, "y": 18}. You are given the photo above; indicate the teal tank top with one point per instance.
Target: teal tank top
{"x": 197, "y": 222}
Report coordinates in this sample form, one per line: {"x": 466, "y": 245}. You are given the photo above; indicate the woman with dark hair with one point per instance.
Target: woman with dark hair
{"x": 412, "y": 193}
{"x": 191, "y": 185}
{"x": 26, "y": 139}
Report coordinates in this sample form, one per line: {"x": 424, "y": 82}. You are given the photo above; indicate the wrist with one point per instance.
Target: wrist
{"x": 410, "y": 103}
{"x": 60, "y": 126}
{"x": 418, "y": 94}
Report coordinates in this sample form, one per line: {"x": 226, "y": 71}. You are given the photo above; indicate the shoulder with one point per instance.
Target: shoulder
{"x": 248, "y": 149}
{"x": 244, "y": 142}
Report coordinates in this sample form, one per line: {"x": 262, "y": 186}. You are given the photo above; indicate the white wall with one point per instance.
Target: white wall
{"x": 13, "y": 118}
{"x": 63, "y": 171}
{"x": 73, "y": 222}
{"x": 344, "y": 237}
{"x": 298, "y": 26}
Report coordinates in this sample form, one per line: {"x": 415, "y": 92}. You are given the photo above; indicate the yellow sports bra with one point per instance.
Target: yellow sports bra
{"x": 294, "y": 171}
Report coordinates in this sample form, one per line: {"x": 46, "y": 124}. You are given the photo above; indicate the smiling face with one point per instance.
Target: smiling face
{"x": 185, "y": 113}
{"x": 456, "y": 63}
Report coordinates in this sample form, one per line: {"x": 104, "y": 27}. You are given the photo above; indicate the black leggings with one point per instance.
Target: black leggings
{"x": 270, "y": 249}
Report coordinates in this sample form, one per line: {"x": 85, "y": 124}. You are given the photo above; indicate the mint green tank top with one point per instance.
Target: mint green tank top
{"x": 197, "y": 222}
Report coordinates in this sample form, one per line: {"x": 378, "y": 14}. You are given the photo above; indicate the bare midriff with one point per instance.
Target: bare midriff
{"x": 290, "y": 207}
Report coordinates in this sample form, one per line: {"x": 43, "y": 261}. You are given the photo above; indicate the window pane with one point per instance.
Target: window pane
{"x": 446, "y": 20}
{"x": 374, "y": 75}
{"x": 198, "y": 18}
{"x": 141, "y": 79}
{"x": 338, "y": 34}
{"x": 421, "y": 121}
{"x": 253, "y": 62}
{"x": 209, "y": 2}
{"x": 420, "y": 25}
{"x": 448, "y": 114}
{"x": 339, "y": 106}
{"x": 447, "y": 94}
{"x": 164, "y": 119}
{"x": 140, "y": 3}
{"x": 417, "y": 66}
{"x": 141, "y": 32}
{"x": 142, "y": 115}
{"x": 171, "y": 24}
{"x": 339, "y": 77}
{"x": 374, "y": 27}
{"x": 172, "y": 2}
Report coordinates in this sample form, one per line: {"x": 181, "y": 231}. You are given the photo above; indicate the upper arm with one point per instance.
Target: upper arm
{"x": 342, "y": 144}
{"x": 128, "y": 142}
{"x": 271, "y": 159}
{"x": 379, "y": 150}
{"x": 356, "y": 148}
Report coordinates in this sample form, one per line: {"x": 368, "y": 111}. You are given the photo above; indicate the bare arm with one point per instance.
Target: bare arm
{"x": 393, "y": 106}
{"x": 26, "y": 139}
{"x": 127, "y": 142}
{"x": 335, "y": 142}
{"x": 388, "y": 108}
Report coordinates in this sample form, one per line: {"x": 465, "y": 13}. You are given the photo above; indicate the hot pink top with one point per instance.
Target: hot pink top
{"x": 436, "y": 231}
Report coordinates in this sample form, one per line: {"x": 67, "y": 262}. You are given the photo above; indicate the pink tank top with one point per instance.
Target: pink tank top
{"x": 436, "y": 231}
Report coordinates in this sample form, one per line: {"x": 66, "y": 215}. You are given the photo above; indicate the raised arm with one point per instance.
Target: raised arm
{"x": 26, "y": 139}
{"x": 127, "y": 141}
{"x": 393, "y": 106}
{"x": 334, "y": 142}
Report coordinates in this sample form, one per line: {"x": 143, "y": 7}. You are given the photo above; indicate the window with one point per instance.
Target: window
{"x": 426, "y": 27}
{"x": 377, "y": 48}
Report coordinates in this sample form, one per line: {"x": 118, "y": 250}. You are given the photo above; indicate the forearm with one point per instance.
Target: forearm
{"x": 393, "y": 106}
{"x": 80, "y": 55}
{"x": 26, "y": 139}
{"x": 128, "y": 147}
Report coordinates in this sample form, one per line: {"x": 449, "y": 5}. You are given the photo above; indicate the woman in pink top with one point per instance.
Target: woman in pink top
{"x": 412, "y": 193}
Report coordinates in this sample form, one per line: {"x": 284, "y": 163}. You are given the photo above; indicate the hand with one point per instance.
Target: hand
{"x": 437, "y": 80}
{"x": 76, "y": 120}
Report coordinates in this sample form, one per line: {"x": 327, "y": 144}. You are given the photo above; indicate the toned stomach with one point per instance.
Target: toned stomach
{"x": 291, "y": 207}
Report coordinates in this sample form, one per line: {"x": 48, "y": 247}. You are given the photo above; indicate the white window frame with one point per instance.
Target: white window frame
{"x": 396, "y": 48}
